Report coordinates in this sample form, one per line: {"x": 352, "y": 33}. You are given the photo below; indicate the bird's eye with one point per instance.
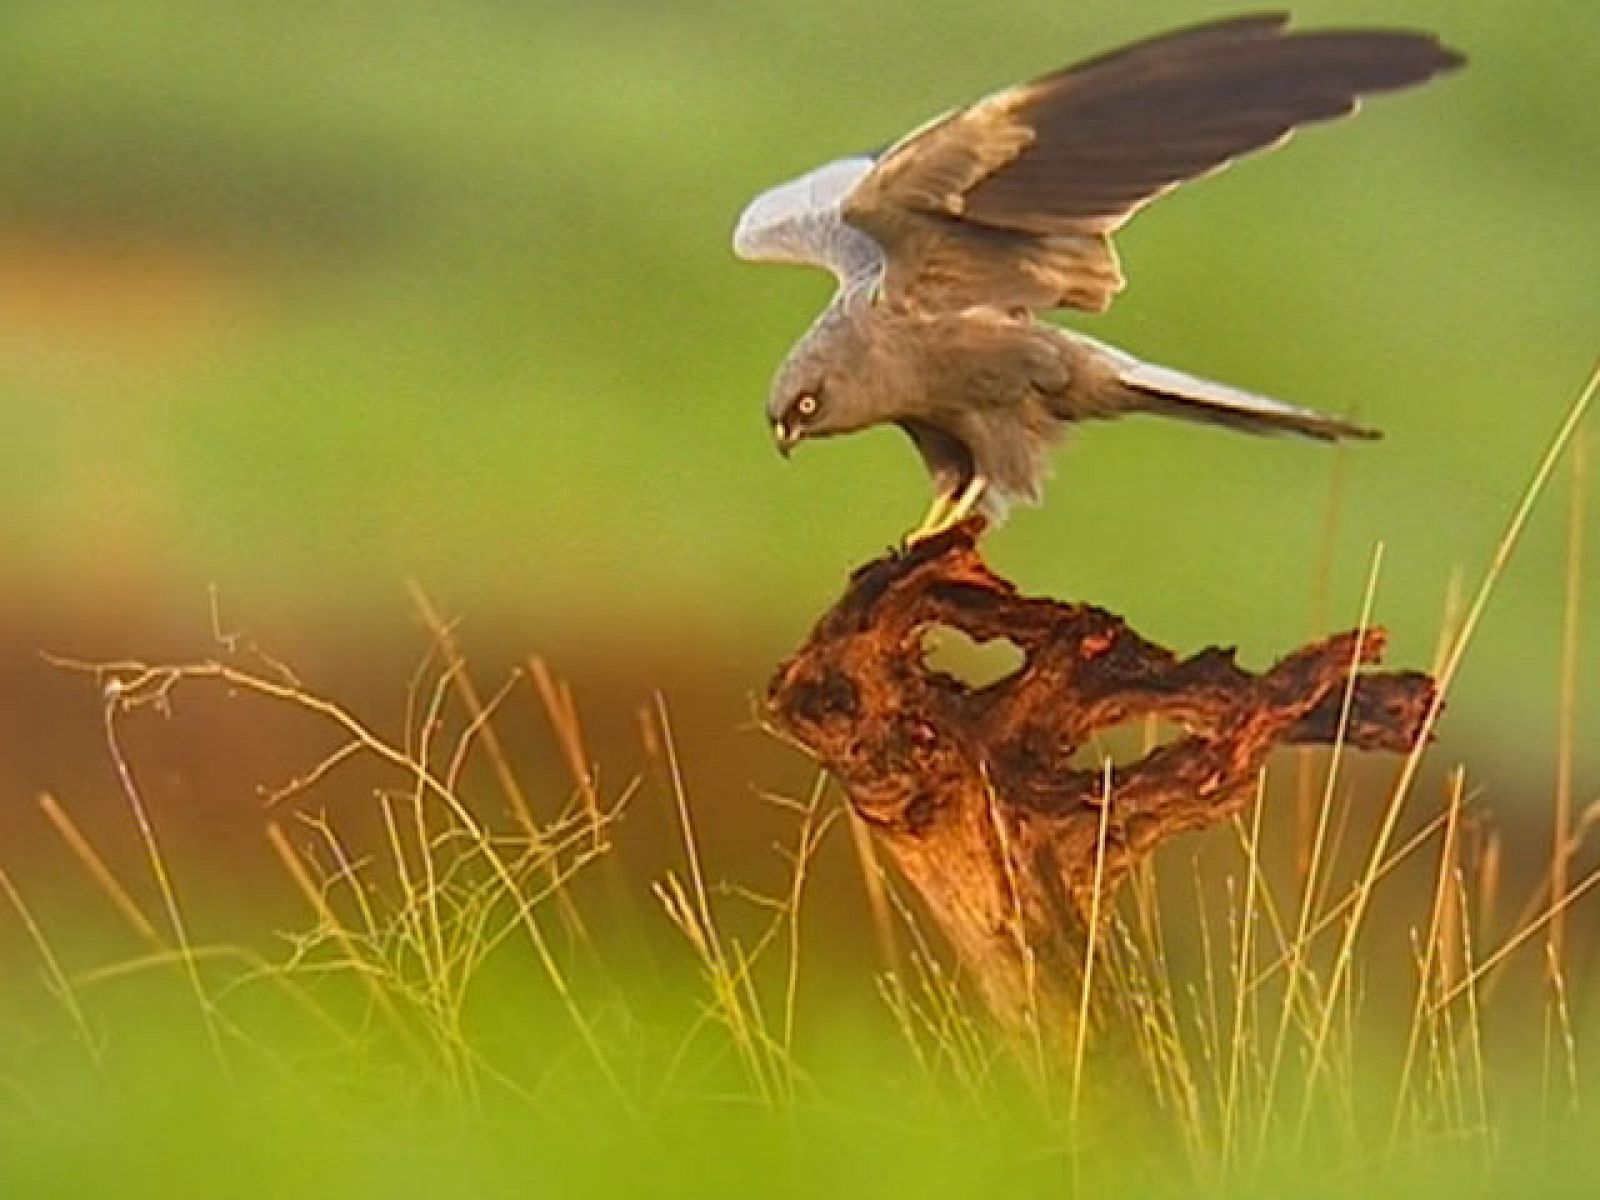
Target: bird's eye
{"x": 806, "y": 405}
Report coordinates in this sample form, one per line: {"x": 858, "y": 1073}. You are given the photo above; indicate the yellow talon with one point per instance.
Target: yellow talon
{"x": 933, "y": 522}
{"x": 948, "y": 509}
{"x": 968, "y": 501}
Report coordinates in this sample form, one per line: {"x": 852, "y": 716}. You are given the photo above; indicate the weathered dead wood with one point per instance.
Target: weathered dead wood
{"x": 974, "y": 792}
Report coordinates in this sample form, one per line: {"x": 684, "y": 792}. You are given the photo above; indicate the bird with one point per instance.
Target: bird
{"x": 951, "y": 245}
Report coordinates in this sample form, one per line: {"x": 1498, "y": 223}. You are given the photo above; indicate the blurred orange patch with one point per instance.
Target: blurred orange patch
{"x": 71, "y": 304}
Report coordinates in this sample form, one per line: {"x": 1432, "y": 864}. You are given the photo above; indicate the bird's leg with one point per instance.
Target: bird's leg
{"x": 949, "y": 507}
{"x": 966, "y": 502}
{"x": 943, "y": 499}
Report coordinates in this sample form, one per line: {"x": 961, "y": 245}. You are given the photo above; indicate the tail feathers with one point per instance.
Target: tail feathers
{"x": 1173, "y": 394}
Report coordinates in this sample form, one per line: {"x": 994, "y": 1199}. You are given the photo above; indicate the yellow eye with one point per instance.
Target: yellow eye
{"x": 806, "y": 405}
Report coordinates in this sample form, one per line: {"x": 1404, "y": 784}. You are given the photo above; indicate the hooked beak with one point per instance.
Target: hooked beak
{"x": 785, "y": 437}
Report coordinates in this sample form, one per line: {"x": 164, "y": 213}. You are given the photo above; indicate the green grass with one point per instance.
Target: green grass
{"x": 477, "y": 321}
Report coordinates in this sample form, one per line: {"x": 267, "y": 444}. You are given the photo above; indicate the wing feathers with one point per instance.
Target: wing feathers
{"x": 1007, "y": 203}
{"x": 1109, "y": 138}
{"x": 799, "y": 222}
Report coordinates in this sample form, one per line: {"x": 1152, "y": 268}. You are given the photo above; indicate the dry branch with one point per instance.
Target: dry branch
{"x": 974, "y": 791}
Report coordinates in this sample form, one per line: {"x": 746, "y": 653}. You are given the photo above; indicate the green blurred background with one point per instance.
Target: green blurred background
{"x": 302, "y": 300}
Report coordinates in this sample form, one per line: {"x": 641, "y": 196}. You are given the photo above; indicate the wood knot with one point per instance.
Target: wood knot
{"x": 829, "y": 693}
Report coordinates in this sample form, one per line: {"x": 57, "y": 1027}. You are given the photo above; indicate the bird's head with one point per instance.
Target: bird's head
{"x": 796, "y": 414}
{"x": 815, "y": 396}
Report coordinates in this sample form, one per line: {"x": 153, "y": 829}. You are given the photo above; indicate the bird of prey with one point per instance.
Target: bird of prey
{"x": 948, "y": 246}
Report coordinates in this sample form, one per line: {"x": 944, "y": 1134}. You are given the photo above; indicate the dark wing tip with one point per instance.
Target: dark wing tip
{"x": 1216, "y": 41}
{"x": 1449, "y": 58}
{"x": 1395, "y": 57}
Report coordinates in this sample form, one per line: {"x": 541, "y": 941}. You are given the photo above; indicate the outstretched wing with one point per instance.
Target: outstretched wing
{"x": 1012, "y": 202}
{"x": 800, "y": 222}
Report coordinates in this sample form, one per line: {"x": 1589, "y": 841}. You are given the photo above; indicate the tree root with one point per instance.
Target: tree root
{"x": 974, "y": 791}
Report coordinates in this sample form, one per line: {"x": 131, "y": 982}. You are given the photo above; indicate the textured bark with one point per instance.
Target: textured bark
{"x": 973, "y": 791}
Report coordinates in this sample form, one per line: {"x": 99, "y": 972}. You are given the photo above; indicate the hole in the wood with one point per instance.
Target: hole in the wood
{"x": 977, "y": 664}
{"x": 1124, "y": 744}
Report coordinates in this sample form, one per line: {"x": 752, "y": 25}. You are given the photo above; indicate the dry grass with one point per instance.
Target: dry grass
{"x": 1268, "y": 1016}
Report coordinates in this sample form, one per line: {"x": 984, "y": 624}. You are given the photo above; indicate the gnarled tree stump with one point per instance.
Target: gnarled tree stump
{"x": 973, "y": 791}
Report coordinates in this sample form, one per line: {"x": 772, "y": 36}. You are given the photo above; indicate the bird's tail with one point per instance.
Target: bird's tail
{"x": 1169, "y": 393}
